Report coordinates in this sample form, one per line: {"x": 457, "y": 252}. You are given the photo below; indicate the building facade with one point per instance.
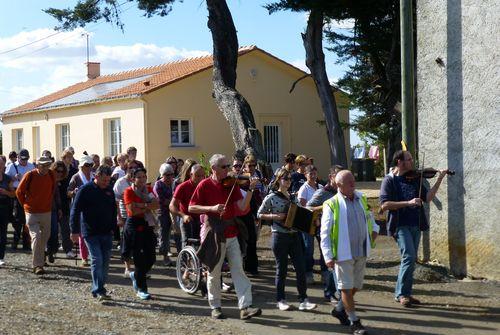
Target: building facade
{"x": 458, "y": 78}
{"x": 169, "y": 111}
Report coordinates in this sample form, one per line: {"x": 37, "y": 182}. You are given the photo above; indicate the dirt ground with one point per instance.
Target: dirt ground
{"x": 60, "y": 303}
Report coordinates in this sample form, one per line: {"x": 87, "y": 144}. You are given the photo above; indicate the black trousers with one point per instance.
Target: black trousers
{"x": 18, "y": 222}
{"x": 4, "y": 220}
{"x": 140, "y": 240}
{"x": 251, "y": 260}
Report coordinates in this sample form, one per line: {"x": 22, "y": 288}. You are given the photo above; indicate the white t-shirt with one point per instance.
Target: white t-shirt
{"x": 21, "y": 170}
{"x": 118, "y": 171}
{"x": 306, "y": 191}
{"x": 119, "y": 188}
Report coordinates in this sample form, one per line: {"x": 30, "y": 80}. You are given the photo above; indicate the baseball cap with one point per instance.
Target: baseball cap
{"x": 24, "y": 154}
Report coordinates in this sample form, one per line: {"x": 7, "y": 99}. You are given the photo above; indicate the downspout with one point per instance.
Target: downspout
{"x": 146, "y": 141}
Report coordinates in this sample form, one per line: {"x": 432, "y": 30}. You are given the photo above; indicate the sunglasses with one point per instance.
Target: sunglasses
{"x": 172, "y": 162}
{"x": 87, "y": 165}
{"x": 227, "y": 166}
{"x": 59, "y": 171}
{"x": 168, "y": 174}
{"x": 237, "y": 165}
{"x": 286, "y": 178}
{"x": 252, "y": 165}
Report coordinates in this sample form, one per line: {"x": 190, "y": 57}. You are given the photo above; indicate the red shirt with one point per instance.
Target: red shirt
{"x": 210, "y": 193}
{"x": 129, "y": 197}
{"x": 183, "y": 193}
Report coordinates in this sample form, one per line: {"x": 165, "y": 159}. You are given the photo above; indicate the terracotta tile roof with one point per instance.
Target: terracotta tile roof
{"x": 159, "y": 76}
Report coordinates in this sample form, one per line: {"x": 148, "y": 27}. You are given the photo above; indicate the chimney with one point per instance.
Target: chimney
{"x": 93, "y": 70}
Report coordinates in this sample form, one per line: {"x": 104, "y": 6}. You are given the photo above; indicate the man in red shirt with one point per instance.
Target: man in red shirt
{"x": 179, "y": 205}
{"x": 219, "y": 203}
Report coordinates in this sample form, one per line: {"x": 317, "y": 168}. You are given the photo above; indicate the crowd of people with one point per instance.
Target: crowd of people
{"x": 56, "y": 204}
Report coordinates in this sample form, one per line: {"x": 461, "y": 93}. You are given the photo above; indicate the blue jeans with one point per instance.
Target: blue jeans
{"x": 284, "y": 245}
{"x": 308, "y": 253}
{"x": 408, "y": 238}
{"x": 100, "y": 252}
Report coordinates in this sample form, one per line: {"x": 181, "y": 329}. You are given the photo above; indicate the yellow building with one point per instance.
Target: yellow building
{"x": 168, "y": 110}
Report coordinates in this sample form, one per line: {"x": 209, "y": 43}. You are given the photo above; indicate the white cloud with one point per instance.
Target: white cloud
{"x": 341, "y": 24}
{"x": 58, "y": 61}
{"x": 335, "y": 24}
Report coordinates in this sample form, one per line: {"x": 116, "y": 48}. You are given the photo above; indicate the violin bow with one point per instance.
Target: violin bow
{"x": 228, "y": 197}
{"x": 421, "y": 176}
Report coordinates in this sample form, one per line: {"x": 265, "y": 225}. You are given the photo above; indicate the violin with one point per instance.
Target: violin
{"x": 426, "y": 173}
{"x": 240, "y": 180}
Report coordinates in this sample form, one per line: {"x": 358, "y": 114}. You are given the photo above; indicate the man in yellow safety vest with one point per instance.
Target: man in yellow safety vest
{"x": 348, "y": 232}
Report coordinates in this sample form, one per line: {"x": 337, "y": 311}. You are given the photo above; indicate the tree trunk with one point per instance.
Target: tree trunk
{"x": 231, "y": 103}
{"x": 315, "y": 61}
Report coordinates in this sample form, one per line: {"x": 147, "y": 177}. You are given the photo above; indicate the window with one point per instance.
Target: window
{"x": 115, "y": 137}
{"x": 64, "y": 136}
{"x": 18, "y": 139}
{"x": 272, "y": 143}
{"x": 181, "y": 132}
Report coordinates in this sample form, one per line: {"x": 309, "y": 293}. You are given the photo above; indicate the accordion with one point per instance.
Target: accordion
{"x": 302, "y": 219}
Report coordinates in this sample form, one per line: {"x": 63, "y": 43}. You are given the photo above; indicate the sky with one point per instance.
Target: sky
{"x": 36, "y": 60}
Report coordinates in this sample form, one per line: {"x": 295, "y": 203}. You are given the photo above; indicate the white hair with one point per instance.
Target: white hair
{"x": 215, "y": 159}
{"x": 195, "y": 168}
{"x": 166, "y": 168}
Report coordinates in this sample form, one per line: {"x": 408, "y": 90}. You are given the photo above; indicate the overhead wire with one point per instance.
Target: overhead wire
{"x": 51, "y": 35}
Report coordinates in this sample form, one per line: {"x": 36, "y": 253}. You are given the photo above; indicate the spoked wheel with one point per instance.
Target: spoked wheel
{"x": 188, "y": 270}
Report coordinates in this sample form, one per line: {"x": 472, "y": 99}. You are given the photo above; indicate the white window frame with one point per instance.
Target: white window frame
{"x": 179, "y": 133}
{"x": 114, "y": 136}
{"x": 65, "y": 139}
{"x": 18, "y": 139}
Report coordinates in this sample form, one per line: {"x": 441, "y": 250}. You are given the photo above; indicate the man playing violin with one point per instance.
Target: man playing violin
{"x": 220, "y": 238}
{"x": 402, "y": 197}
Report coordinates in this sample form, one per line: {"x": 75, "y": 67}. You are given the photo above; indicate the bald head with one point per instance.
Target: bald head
{"x": 345, "y": 183}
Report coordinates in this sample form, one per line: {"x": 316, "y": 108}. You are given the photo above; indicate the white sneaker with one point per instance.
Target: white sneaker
{"x": 306, "y": 305}
{"x": 70, "y": 254}
{"x": 283, "y": 305}
{"x": 126, "y": 273}
{"x": 226, "y": 288}
{"x": 2, "y": 262}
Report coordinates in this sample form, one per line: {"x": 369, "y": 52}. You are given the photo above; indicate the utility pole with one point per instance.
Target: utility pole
{"x": 407, "y": 75}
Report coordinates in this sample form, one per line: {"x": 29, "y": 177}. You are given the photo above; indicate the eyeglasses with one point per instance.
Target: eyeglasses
{"x": 227, "y": 166}
{"x": 237, "y": 165}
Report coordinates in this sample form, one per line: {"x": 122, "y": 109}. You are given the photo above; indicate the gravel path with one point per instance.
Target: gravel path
{"x": 60, "y": 303}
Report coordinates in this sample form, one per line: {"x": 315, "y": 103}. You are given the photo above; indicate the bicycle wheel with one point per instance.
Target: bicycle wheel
{"x": 188, "y": 269}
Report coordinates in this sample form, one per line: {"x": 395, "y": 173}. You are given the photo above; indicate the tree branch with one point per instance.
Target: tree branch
{"x": 297, "y": 81}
